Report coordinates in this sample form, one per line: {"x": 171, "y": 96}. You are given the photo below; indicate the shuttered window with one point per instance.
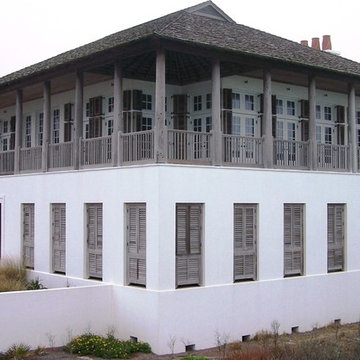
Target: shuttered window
{"x": 136, "y": 243}
{"x": 188, "y": 244}
{"x": 58, "y": 236}
{"x": 293, "y": 239}
{"x": 336, "y": 236}
{"x": 94, "y": 222}
{"x": 245, "y": 235}
{"x": 28, "y": 213}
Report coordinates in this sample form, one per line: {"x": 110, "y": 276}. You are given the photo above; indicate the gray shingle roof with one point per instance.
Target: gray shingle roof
{"x": 190, "y": 27}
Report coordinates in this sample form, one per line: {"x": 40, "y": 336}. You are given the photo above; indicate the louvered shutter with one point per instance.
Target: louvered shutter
{"x": 67, "y": 122}
{"x": 304, "y": 109}
{"x": 12, "y": 130}
{"x": 341, "y": 134}
{"x": 94, "y": 239}
{"x": 336, "y": 237}
{"x": 188, "y": 244}
{"x": 96, "y": 106}
{"x": 180, "y": 112}
{"x": 273, "y": 104}
{"x": 340, "y": 114}
{"x": 137, "y": 100}
{"x": 274, "y": 122}
{"x": 304, "y": 130}
{"x": 226, "y": 112}
{"x": 136, "y": 243}
{"x": 28, "y": 235}
{"x": 245, "y": 259}
{"x": 293, "y": 239}
{"x": 58, "y": 237}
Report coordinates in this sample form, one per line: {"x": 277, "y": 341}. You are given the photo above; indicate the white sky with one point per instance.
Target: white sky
{"x": 34, "y": 30}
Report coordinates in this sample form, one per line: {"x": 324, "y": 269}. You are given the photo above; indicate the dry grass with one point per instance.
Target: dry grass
{"x": 12, "y": 275}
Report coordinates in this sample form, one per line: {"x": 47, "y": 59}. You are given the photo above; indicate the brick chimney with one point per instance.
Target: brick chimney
{"x": 315, "y": 43}
{"x": 326, "y": 43}
{"x": 304, "y": 42}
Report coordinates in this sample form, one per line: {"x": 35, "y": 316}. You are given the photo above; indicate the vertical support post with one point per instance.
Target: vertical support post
{"x": 46, "y": 125}
{"x": 352, "y": 130}
{"x": 312, "y": 123}
{"x": 79, "y": 94}
{"x": 160, "y": 132}
{"x": 268, "y": 142}
{"x": 216, "y": 112}
{"x": 118, "y": 122}
{"x": 18, "y": 129}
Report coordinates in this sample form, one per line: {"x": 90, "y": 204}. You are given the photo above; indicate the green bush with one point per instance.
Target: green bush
{"x": 16, "y": 352}
{"x": 105, "y": 347}
{"x": 12, "y": 275}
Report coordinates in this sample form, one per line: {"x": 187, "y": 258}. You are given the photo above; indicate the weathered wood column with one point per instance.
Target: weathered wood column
{"x": 118, "y": 123}
{"x": 79, "y": 94}
{"x": 160, "y": 133}
{"x": 352, "y": 130}
{"x": 268, "y": 142}
{"x": 46, "y": 125}
{"x": 312, "y": 123}
{"x": 216, "y": 113}
{"x": 18, "y": 129}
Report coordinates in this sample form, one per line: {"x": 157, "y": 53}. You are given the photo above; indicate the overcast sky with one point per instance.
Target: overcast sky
{"x": 34, "y": 30}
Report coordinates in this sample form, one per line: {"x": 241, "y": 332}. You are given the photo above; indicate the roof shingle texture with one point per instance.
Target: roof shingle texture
{"x": 200, "y": 30}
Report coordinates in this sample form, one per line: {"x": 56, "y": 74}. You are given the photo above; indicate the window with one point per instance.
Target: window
{"x": 236, "y": 125}
{"x": 279, "y": 130}
{"x": 335, "y": 236}
{"x": 293, "y": 239}
{"x": 94, "y": 237}
{"x": 58, "y": 236}
{"x": 146, "y": 102}
{"x": 245, "y": 235}
{"x": 290, "y": 107}
{"x": 318, "y": 134}
{"x": 136, "y": 243}
{"x": 28, "y": 131}
{"x": 358, "y": 137}
{"x": 249, "y": 102}
{"x": 28, "y": 214}
{"x": 197, "y": 125}
{"x": 328, "y": 135}
{"x": 87, "y": 109}
{"x": 5, "y": 127}
{"x": 209, "y": 101}
{"x": 110, "y": 127}
{"x": 208, "y": 124}
{"x": 318, "y": 112}
{"x": 146, "y": 123}
{"x": 197, "y": 103}
{"x": 87, "y": 131}
{"x": 235, "y": 100}
{"x": 5, "y": 144}
{"x": 40, "y": 129}
{"x": 188, "y": 244}
{"x": 327, "y": 113}
{"x": 279, "y": 107}
{"x": 291, "y": 131}
{"x": 56, "y": 127}
{"x": 358, "y": 117}
{"x": 111, "y": 104}
{"x": 250, "y": 127}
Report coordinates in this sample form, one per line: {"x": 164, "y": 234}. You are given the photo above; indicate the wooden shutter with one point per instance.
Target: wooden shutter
{"x": 304, "y": 130}
{"x": 188, "y": 244}
{"x": 245, "y": 259}
{"x": 273, "y": 104}
{"x": 226, "y": 99}
{"x": 95, "y": 126}
{"x": 226, "y": 111}
{"x": 12, "y": 130}
{"x": 68, "y": 112}
{"x": 293, "y": 239}
{"x": 58, "y": 234}
{"x": 96, "y": 106}
{"x": 180, "y": 112}
{"x": 28, "y": 235}
{"x": 304, "y": 109}
{"x": 340, "y": 134}
{"x": 68, "y": 122}
{"x": 136, "y": 243}
{"x": 340, "y": 114}
{"x": 336, "y": 237}
{"x": 94, "y": 239}
{"x": 274, "y": 122}
{"x": 137, "y": 100}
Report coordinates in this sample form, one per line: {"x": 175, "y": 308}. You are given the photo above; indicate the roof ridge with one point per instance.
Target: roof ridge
{"x": 181, "y": 13}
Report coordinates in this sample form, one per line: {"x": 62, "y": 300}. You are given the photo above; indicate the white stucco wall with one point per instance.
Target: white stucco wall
{"x": 193, "y": 315}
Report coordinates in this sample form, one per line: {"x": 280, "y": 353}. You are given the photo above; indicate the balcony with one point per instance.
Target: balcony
{"x": 333, "y": 157}
{"x": 60, "y": 156}
{"x": 96, "y": 152}
{"x": 291, "y": 154}
{"x": 30, "y": 159}
{"x": 137, "y": 147}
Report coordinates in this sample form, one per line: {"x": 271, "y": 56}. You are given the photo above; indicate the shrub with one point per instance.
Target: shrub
{"x": 34, "y": 285}
{"x": 12, "y": 275}
{"x": 105, "y": 347}
{"x": 17, "y": 352}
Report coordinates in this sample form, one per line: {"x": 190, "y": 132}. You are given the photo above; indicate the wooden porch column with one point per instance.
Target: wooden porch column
{"x": 118, "y": 123}
{"x": 160, "y": 133}
{"x": 312, "y": 123}
{"x": 46, "y": 125}
{"x": 353, "y": 163}
{"x": 18, "y": 129}
{"x": 79, "y": 89}
{"x": 216, "y": 112}
{"x": 268, "y": 142}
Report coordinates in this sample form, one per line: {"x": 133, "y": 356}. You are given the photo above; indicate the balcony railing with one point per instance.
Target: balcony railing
{"x": 189, "y": 146}
{"x": 7, "y": 162}
{"x": 138, "y": 146}
{"x": 60, "y": 155}
{"x": 30, "y": 158}
{"x": 96, "y": 151}
{"x": 291, "y": 154}
{"x": 241, "y": 150}
{"x": 335, "y": 157}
